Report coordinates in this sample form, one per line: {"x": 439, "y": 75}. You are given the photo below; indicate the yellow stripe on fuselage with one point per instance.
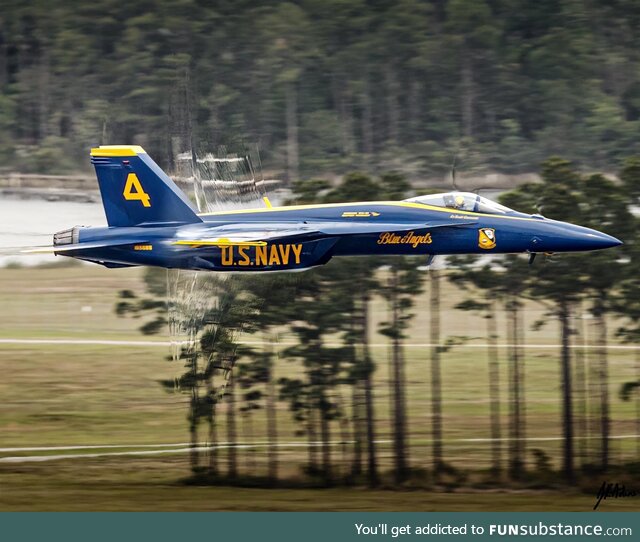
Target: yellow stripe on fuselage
{"x": 406, "y": 204}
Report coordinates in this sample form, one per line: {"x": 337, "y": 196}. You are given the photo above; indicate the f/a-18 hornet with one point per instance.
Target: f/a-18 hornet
{"x": 151, "y": 222}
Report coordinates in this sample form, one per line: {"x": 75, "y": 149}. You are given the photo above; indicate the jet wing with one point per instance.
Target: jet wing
{"x": 241, "y": 235}
{"x": 258, "y": 234}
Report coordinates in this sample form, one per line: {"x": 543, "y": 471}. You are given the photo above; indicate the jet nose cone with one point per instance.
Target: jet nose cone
{"x": 588, "y": 239}
{"x": 602, "y": 240}
{"x": 565, "y": 237}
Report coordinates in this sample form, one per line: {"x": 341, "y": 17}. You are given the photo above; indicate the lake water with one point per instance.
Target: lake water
{"x": 28, "y": 223}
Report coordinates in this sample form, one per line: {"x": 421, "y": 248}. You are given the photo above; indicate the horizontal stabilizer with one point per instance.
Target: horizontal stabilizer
{"x": 78, "y": 246}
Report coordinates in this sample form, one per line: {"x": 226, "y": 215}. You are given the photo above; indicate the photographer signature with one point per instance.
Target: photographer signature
{"x": 613, "y": 491}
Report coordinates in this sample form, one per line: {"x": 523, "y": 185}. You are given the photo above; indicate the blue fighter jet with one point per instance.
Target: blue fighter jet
{"x": 151, "y": 222}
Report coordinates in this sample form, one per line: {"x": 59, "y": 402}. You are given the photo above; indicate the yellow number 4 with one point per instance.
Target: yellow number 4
{"x": 133, "y": 190}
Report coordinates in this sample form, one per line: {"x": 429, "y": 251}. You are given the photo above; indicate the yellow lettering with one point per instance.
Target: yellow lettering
{"x": 389, "y": 238}
{"x": 274, "y": 258}
{"x": 359, "y": 214}
{"x": 227, "y": 255}
{"x": 410, "y": 238}
{"x": 422, "y": 240}
{"x": 242, "y": 252}
{"x": 133, "y": 191}
{"x": 284, "y": 252}
{"x": 297, "y": 250}
{"x": 261, "y": 255}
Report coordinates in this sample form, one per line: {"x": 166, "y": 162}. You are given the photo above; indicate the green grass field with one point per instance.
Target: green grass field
{"x": 64, "y": 395}
{"x": 152, "y": 485}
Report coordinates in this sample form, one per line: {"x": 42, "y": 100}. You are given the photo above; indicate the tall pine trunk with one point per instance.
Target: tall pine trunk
{"x": 247, "y": 425}
{"x": 312, "y": 439}
{"x": 272, "y": 429}
{"x": 232, "y": 467}
{"x": 603, "y": 382}
{"x": 393, "y": 111}
{"x": 4, "y": 72}
{"x": 194, "y": 418}
{"x": 43, "y": 97}
{"x": 637, "y": 351}
{"x": 399, "y": 429}
{"x": 367, "y": 120}
{"x": 342, "y": 104}
{"x": 564, "y": 316}
{"x": 194, "y": 454}
{"x": 325, "y": 437}
{"x": 467, "y": 95}
{"x": 436, "y": 376}
{"x": 213, "y": 445}
{"x": 291, "y": 98}
{"x": 372, "y": 460}
{"x": 494, "y": 389}
{"x": 357, "y": 418}
{"x": 580, "y": 387}
{"x": 520, "y": 341}
{"x": 516, "y": 464}
{"x": 342, "y": 467}
{"x": 414, "y": 110}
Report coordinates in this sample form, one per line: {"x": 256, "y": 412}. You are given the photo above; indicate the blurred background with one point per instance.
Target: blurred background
{"x": 479, "y": 383}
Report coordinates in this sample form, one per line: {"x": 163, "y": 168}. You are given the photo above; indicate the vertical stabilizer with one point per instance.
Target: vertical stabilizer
{"x": 135, "y": 191}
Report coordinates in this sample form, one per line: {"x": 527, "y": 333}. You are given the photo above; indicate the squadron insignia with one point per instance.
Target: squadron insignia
{"x": 487, "y": 238}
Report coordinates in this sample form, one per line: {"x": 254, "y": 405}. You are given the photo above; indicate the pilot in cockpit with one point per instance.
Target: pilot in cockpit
{"x": 454, "y": 201}
{"x": 462, "y": 201}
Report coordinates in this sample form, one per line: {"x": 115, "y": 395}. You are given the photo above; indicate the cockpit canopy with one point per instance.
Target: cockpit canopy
{"x": 463, "y": 201}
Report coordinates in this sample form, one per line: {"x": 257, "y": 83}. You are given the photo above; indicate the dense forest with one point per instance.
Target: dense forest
{"x": 345, "y": 401}
{"x": 323, "y": 86}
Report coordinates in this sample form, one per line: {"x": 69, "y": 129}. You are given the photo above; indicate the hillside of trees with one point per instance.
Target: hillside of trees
{"x": 323, "y": 86}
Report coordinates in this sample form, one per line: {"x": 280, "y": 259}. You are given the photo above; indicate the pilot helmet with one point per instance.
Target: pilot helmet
{"x": 454, "y": 201}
